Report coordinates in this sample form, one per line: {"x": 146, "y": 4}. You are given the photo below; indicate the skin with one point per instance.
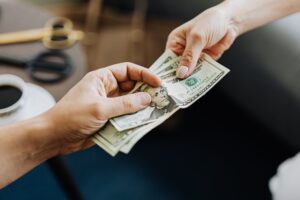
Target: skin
{"x": 214, "y": 30}
{"x": 68, "y": 126}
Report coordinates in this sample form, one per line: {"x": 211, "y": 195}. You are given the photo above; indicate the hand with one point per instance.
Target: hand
{"x": 211, "y": 32}
{"x": 96, "y": 98}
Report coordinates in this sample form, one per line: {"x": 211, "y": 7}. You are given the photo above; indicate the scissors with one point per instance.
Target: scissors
{"x": 46, "y": 67}
{"x": 58, "y": 33}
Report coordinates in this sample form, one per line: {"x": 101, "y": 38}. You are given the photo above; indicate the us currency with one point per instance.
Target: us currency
{"x": 122, "y": 133}
{"x": 181, "y": 92}
{"x": 160, "y": 105}
{"x": 109, "y": 138}
{"x": 147, "y": 128}
{"x": 161, "y": 102}
{"x": 206, "y": 75}
{"x": 165, "y": 58}
{"x": 169, "y": 76}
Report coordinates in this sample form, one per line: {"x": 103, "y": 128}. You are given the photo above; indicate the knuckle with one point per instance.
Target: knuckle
{"x": 171, "y": 35}
{"x": 196, "y": 36}
{"x": 127, "y": 63}
{"x": 187, "y": 57}
{"x": 227, "y": 44}
{"x": 97, "y": 110}
{"x": 127, "y": 103}
{"x": 218, "y": 55}
{"x": 90, "y": 75}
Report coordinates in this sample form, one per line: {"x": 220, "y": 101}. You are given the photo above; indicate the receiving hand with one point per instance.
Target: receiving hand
{"x": 100, "y": 95}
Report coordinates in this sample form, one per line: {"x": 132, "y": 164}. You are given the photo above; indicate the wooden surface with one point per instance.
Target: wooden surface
{"x": 19, "y": 16}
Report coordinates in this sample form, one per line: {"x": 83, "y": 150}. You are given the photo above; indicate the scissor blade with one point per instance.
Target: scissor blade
{"x": 22, "y": 36}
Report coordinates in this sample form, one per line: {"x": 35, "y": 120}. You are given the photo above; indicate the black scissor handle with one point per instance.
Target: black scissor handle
{"x": 13, "y": 61}
{"x": 56, "y": 63}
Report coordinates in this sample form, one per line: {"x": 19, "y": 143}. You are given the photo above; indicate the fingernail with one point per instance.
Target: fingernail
{"x": 182, "y": 71}
{"x": 144, "y": 98}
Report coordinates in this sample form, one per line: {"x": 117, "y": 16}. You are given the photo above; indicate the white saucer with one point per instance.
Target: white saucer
{"x": 36, "y": 101}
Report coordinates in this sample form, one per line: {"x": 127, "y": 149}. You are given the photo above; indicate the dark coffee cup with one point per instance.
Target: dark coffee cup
{"x": 12, "y": 93}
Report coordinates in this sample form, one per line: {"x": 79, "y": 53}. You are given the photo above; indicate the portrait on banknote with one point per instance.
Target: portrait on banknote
{"x": 160, "y": 105}
{"x": 161, "y": 102}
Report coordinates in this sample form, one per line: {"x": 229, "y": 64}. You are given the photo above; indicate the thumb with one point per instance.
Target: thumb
{"x": 190, "y": 56}
{"x": 126, "y": 104}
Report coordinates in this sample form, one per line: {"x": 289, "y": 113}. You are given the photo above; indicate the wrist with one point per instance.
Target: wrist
{"x": 24, "y": 145}
{"x": 42, "y": 138}
{"x": 234, "y": 19}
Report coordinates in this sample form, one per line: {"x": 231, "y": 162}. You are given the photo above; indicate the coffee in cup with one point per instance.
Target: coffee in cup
{"x": 12, "y": 89}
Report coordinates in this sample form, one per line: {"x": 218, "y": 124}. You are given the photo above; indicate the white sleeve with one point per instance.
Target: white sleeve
{"x": 285, "y": 185}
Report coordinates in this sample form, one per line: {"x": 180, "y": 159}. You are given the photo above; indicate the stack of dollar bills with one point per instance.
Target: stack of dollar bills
{"x": 123, "y": 132}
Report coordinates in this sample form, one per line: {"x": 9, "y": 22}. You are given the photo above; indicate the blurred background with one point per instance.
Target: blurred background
{"x": 226, "y": 146}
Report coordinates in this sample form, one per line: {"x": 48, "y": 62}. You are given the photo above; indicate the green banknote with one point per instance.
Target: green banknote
{"x": 122, "y": 133}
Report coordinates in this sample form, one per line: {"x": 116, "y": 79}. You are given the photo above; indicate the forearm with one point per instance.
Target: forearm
{"x": 23, "y": 146}
{"x": 250, "y": 14}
